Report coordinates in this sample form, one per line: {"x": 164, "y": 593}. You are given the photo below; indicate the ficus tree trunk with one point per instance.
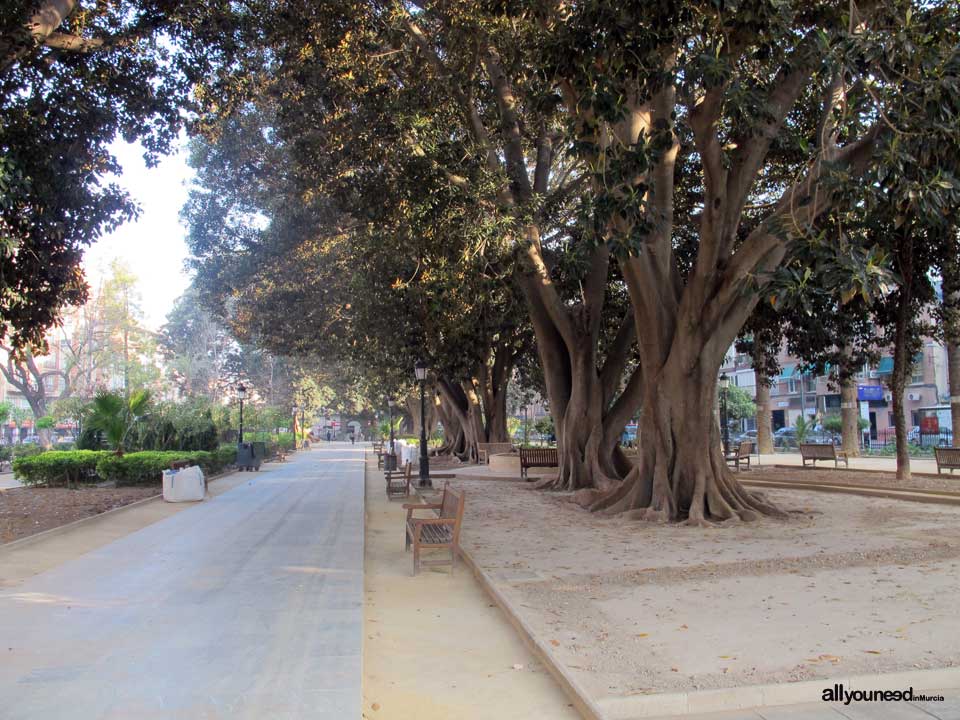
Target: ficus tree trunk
{"x": 588, "y": 404}
{"x": 901, "y": 356}
{"x": 479, "y": 403}
{"x": 849, "y": 417}
{"x": 681, "y": 474}
{"x": 764, "y": 415}
{"x": 951, "y": 334}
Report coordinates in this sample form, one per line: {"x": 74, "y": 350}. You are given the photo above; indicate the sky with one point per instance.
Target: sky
{"x": 154, "y": 244}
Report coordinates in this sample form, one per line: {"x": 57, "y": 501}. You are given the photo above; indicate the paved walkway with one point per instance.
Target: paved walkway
{"x": 249, "y": 605}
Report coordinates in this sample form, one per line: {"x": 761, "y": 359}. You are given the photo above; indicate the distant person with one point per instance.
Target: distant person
{"x": 352, "y": 438}
{"x": 328, "y": 436}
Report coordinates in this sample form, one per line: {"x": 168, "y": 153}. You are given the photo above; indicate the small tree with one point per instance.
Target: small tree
{"x": 5, "y": 408}
{"x": 114, "y": 416}
{"x": 44, "y": 425}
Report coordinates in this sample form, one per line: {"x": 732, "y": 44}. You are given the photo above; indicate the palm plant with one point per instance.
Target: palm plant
{"x": 114, "y": 416}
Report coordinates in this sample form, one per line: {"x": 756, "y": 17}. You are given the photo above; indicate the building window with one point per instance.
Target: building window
{"x": 916, "y": 377}
{"x": 791, "y": 386}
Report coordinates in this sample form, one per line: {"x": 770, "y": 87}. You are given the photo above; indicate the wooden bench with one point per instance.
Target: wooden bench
{"x": 741, "y": 455}
{"x": 537, "y": 457}
{"x": 485, "y": 450}
{"x": 440, "y": 531}
{"x": 180, "y": 464}
{"x": 821, "y": 451}
{"x": 948, "y": 458}
{"x": 398, "y": 481}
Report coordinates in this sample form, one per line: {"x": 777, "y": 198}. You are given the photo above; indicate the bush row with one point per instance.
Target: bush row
{"x": 58, "y": 467}
{"x": 90, "y": 466}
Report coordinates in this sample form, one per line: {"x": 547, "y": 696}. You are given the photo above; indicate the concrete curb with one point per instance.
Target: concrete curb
{"x": 892, "y": 471}
{"x": 60, "y": 529}
{"x": 921, "y": 496}
{"x": 581, "y": 701}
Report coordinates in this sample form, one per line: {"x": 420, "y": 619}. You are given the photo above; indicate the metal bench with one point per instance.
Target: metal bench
{"x": 485, "y": 450}
{"x": 741, "y": 455}
{"x": 821, "y": 451}
{"x": 948, "y": 458}
{"x": 398, "y": 481}
{"x": 537, "y": 457}
{"x": 440, "y": 531}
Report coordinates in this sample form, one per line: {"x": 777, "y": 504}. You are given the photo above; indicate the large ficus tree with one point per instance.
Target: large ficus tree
{"x": 75, "y": 75}
{"x": 699, "y": 142}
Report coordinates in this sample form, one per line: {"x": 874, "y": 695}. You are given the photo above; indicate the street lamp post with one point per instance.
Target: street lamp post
{"x": 724, "y": 384}
{"x": 241, "y": 394}
{"x": 420, "y": 370}
{"x": 390, "y": 402}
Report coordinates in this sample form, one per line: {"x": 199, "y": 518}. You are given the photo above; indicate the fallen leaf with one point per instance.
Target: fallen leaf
{"x": 874, "y": 652}
{"x": 375, "y": 706}
{"x": 555, "y": 643}
{"x": 643, "y": 634}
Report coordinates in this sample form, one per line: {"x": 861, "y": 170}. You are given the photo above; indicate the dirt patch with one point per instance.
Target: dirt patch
{"x": 26, "y": 511}
{"x": 847, "y": 585}
{"x": 853, "y": 477}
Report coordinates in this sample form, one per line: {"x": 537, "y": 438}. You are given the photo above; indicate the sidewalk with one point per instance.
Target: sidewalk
{"x": 248, "y": 605}
{"x": 886, "y": 464}
{"x": 435, "y": 645}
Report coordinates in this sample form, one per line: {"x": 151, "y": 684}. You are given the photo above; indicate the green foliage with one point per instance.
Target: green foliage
{"x": 45, "y": 423}
{"x": 58, "y": 467}
{"x": 803, "y": 428}
{"x": 6, "y": 453}
{"x": 4, "y": 411}
{"x": 146, "y": 467}
{"x": 27, "y": 450}
{"x": 545, "y": 426}
{"x": 739, "y": 404}
{"x": 834, "y": 423}
{"x": 133, "y": 66}
{"x": 114, "y": 416}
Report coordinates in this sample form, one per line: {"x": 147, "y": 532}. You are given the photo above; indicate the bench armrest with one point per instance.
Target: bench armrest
{"x": 412, "y": 507}
{"x": 434, "y": 521}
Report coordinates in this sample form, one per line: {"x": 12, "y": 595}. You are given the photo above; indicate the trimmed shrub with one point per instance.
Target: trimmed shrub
{"x": 58, "y": 467}
{"x": 28, "y": 450}
{"x": 145, "y": 468}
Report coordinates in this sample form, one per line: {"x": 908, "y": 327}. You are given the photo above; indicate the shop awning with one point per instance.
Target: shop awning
{"x": 787, "y": 372}
{"x": 885, "y": 367}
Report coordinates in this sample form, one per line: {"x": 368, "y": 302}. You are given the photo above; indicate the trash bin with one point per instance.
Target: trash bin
{"x": 247, "y": 457}
{"x": 390, "y": 461}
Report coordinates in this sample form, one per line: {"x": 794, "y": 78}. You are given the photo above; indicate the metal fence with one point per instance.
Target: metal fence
{"x": 919, "y": 442}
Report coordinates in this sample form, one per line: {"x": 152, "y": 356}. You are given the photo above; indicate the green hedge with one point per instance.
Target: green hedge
{"x": 143, "y": 468}
{"x": 59, "y": 467}
{"x": 70, "y": 467}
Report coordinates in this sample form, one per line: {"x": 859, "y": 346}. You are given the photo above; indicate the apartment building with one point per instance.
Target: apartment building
{"x": 794, "y": 393}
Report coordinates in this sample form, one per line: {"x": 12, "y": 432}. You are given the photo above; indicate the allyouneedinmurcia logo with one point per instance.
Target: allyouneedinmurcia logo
{"x": 838, "y": 693}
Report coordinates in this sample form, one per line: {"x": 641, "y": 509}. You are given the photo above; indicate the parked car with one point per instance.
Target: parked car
{"x": 786, "y": 437}
{"x": 31, "y": 440}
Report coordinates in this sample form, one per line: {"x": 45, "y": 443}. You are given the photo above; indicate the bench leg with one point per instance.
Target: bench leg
{"x": 416, "y": 559}
{"x": 453, "y": 558}
{"x": 407, "y": 538}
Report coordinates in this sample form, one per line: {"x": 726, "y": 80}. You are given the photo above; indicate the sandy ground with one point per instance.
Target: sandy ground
{"x": 847, "y": 585}
{"x": 27, "y": 510}
{"x": 435, "y": 646}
